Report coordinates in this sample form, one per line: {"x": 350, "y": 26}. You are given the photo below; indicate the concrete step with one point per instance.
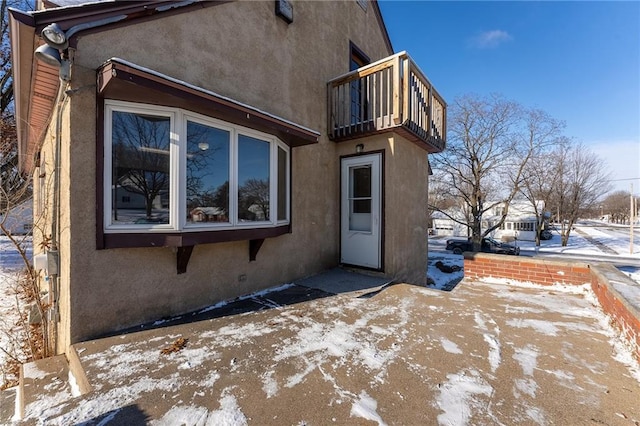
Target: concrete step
{"x": 8, "y": 405}
{"x": 45, "y": 379}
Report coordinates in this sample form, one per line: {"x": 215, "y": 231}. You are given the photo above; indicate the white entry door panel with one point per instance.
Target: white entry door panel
{"x": 360, "y": 216}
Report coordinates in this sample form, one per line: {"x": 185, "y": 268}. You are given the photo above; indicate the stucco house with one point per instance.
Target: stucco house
{"x": 296, "y": 119}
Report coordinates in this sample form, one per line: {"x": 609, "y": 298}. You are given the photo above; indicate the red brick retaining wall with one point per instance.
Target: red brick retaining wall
{"x": 525, "y": 269}
{"x": 603, "y": 279}
{"x": 625, "y": 313}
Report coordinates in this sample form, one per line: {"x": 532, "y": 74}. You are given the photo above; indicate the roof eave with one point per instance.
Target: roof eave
{"x": 23, "y": 42}
{"x": 25, "y": 28}
{"x": 383, "y": 27}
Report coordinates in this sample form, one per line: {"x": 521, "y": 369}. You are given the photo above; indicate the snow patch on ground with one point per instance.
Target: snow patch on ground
{"x": 494, "y": 351}
{"x": 527, "y": 358}
{"x": 11, "y": 266}
{"x": 622, "y": 350}
{"x": 491, "y": 338}
{"x": 366, "y": 408}
{"x": 450, "y": 346}
{"x": 547, "y": 328}
{"x": 229, "y": 414}
{"x": 457, "y": 397}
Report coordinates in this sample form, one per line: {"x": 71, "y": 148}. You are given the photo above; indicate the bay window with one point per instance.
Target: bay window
{"x": 179, "y": 165}
{"x": 171, "y": 170}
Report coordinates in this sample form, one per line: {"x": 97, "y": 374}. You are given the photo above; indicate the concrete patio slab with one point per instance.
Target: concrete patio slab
{"x": 480, "y": 354}
{"x": 339, "y": 280}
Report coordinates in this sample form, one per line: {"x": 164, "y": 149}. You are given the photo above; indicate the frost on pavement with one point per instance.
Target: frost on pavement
{"x": 480, "y": 354}
{"x": 458, "y": 398}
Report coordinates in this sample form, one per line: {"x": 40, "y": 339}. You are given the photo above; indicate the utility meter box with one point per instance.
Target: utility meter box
{"x": 40, "y": 261}
{"x": 46, "y": 261}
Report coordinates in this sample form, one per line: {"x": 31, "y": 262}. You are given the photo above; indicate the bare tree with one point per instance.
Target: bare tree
{"x": 491, "y": 141}
{"x": 6, "y": 80}
{"x": 15, "y": 187}
{"x": 616, "y": 206}
{"x": 253, "y": 200}
{"x": 582, "y": 181}
{"x": 538, "y": 184}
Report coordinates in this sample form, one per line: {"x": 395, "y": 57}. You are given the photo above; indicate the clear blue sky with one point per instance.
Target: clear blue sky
{"x": 579, "y": 61}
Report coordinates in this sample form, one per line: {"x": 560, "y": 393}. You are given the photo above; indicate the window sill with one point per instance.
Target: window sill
{"x": 191, "y": 238}
{"x": 185, "y": 241}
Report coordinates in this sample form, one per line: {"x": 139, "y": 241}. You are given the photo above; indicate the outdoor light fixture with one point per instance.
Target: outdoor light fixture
{"x": 58, "y": 40}
{"x": 359, "y": 148}
{"x": 203, "y": 146}
{"x": 48, "y": 55}
{"x": 55, "y": 37}
{"x": 54, "y": 53}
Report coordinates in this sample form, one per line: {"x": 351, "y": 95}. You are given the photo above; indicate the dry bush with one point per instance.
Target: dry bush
{"x": 24, "y": 342}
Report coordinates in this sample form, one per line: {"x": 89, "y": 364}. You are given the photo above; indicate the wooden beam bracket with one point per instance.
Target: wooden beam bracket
{"x": 182, "y": 258}
{"x": 254, "y": 248}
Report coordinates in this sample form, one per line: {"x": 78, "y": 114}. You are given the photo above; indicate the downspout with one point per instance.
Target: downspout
{"x": 53, "y": 254}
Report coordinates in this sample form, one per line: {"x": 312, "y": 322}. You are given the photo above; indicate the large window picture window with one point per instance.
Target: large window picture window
{"x": 253, "y": 179}
{"x": 140, "y": 168}
{"x": 208, "y": 174}
{"x": 167, "y": 169}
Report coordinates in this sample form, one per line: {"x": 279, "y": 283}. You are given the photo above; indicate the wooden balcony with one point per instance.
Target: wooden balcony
{"x": 391, "y": 94}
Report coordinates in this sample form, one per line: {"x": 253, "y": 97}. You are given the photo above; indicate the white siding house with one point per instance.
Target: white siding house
{"x": 520, "y": 223}
{"x": 19, "y": 219}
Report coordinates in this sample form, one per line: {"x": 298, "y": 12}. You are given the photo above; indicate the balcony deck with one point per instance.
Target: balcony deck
{"x": 391, "y": 94}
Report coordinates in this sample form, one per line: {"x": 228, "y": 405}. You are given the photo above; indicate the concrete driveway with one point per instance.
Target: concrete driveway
{"x": 482, "y": 354}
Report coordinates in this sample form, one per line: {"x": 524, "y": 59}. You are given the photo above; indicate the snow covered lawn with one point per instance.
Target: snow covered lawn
{"x": 10, "y": 267}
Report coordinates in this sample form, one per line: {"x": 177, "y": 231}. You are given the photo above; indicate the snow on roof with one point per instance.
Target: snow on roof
{"x": 73, "y": 3}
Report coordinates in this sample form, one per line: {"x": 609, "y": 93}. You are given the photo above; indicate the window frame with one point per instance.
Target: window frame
{"x": 118, "y": 79}
{"x": 178, "y": 224}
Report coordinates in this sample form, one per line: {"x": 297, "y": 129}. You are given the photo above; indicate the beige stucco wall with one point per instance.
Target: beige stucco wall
{"x": 43, "y": 231}
{"x": 243, "y": 51}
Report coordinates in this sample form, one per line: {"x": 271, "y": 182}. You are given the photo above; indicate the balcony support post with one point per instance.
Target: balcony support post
{"x": 406, "y": 87}
{"x": 397, "y": 92}
{"x": 430, "y": 113}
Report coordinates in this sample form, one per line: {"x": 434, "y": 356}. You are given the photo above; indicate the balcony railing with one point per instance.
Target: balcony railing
{"x": 389, "y": 94}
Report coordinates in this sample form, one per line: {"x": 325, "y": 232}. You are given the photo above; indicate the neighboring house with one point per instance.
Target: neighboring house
{"x": 298, "y": 122}
{"x": 443, "y": 225}
{"x": 521, "y": 222}
{"x": 209, "y": 214}
{"x": 19, "y": 219}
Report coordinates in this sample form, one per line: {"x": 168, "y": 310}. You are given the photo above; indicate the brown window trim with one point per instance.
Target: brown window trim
{"x": 357, "y": 55}
{"x": 120, "y": 80}
{"x": 123, "y": 81}
{"x": 186, "y": 239}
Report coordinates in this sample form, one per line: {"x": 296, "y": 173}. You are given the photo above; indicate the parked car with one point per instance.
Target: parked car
{"x": 489, "y": 245}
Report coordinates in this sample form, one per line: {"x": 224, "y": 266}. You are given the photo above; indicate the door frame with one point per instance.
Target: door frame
{"x": 382, "y": 209}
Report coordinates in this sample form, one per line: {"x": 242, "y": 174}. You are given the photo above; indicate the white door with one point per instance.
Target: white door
{"x": 360, "y": 216}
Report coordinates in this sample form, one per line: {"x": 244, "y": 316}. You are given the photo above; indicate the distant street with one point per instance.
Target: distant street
{"x": 618, "y": 261}
{"x": 603, "y": 241}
